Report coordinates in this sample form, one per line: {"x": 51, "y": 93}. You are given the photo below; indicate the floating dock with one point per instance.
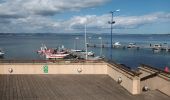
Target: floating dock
{"x": 81, "y": 80}
{"x": 163, "y": 48}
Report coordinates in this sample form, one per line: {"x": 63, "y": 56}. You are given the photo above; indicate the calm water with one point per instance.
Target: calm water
{"x": 25, "y": 47}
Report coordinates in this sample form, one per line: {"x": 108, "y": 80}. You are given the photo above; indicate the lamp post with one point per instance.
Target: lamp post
{"x": 111, "y": 23}
{"x": 100, "y": 38}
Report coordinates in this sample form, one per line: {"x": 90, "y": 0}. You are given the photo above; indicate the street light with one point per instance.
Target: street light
{"x": 111, "y": 23}
{"x": 100, "y": 38}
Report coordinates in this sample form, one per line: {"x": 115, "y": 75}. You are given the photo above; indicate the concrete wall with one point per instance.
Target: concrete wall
{"x": 72, "y": 68}
{"x": 160, "y": 82}
{"x": 129, "y": 82}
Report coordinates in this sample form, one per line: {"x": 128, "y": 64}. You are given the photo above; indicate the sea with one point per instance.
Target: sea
{"x": 24, "y": 47}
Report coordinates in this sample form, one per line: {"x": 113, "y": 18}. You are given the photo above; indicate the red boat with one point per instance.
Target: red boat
{"x": 52, "y": 53}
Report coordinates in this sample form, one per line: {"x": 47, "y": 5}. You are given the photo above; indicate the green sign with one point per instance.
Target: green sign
{"x": 45, "y": 68}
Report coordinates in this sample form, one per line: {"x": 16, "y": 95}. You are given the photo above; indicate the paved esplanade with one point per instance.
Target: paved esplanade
{"x": 68, "y": 87}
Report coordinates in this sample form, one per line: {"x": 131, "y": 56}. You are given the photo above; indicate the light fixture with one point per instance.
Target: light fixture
{"x": 79, "y": 70}
{"x": 10, "y": 70}
{"x": 119, "y": 80}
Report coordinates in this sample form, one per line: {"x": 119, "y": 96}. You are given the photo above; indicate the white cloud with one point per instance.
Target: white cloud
{"x": 136, "y": 21}
{"x": 122, "y": 22}
{"x": 45, "y": 7}
{"x": 34, "y": 16}
{"x": 76, "y": 24}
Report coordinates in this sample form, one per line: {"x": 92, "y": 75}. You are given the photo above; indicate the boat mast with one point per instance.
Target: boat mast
{"x": 85, "y": 40}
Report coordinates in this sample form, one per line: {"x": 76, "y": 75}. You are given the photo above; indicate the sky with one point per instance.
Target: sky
{"x": 70, "y": 16}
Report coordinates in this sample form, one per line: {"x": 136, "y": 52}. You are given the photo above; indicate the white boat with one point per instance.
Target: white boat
{"x": 1, "y": 53}
{"x": 90, "y": 53}
{"x": 116, "y": 44}
{"x": 131, "y": 45}
{"x": 73, "y": 50}
{"x": 157, "y": 48}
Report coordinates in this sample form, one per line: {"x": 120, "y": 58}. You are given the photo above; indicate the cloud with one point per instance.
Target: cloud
{"x": 46, "y": 7}
{"x": 138, "y": 21}
{"x": 122, "y": 22}
{"x": 35, "y": 16}
{"x": 76, "y": 24}
{"x": 32, "y": 15}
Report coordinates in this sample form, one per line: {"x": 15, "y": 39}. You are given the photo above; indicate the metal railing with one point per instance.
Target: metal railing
{"x": 124, "y": 68}
{"x": 162, "y": 72}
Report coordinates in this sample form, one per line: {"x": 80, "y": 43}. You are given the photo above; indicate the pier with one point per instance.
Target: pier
{"x": 162, "y": 48}
{"x": 81, "y": 79}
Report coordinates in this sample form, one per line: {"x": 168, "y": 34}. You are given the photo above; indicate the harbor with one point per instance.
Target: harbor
{"x": 51, "y": 79}
{"x": 84, "y": 50}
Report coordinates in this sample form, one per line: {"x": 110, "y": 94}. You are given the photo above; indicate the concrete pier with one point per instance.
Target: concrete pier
{"x": 111, "y": 80}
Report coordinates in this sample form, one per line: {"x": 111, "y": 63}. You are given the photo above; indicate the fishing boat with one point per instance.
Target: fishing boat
{"x": 43, "y": 49}
{"x": 51, "y": 53}
{"x": 56, "y": 56}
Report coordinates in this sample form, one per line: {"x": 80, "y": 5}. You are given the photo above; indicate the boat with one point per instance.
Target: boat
{"x": 56, "y": 56}
{"x": 43, "y": 49}
{"x": 90, "y": 53}
{"x": 157, "y": 47}
{"x": 131, "y": 45}
{"x": 51, "y": 53}
{"x": 1, "y": 53}
{"x": 116, "y": 44}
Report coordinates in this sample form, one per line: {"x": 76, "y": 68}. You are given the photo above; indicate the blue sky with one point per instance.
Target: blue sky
{"x": 69, "y": 16}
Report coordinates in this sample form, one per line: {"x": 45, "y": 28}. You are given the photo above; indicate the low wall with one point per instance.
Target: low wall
{"x": 52, "y": 68}
{"x": 160, "y": 82}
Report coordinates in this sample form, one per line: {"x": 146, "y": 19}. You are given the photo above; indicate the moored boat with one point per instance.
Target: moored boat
{"x": 131, "y": 45}
{"x": 56, "y": 56}
{"x": 51, "y": 53}
{"x": 116, "y": 45}
{"x": 1, "y": 53}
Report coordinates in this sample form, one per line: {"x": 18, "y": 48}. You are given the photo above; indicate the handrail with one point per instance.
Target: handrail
{"x": 162, "y": 72}
{"x": 125, "y": 69}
